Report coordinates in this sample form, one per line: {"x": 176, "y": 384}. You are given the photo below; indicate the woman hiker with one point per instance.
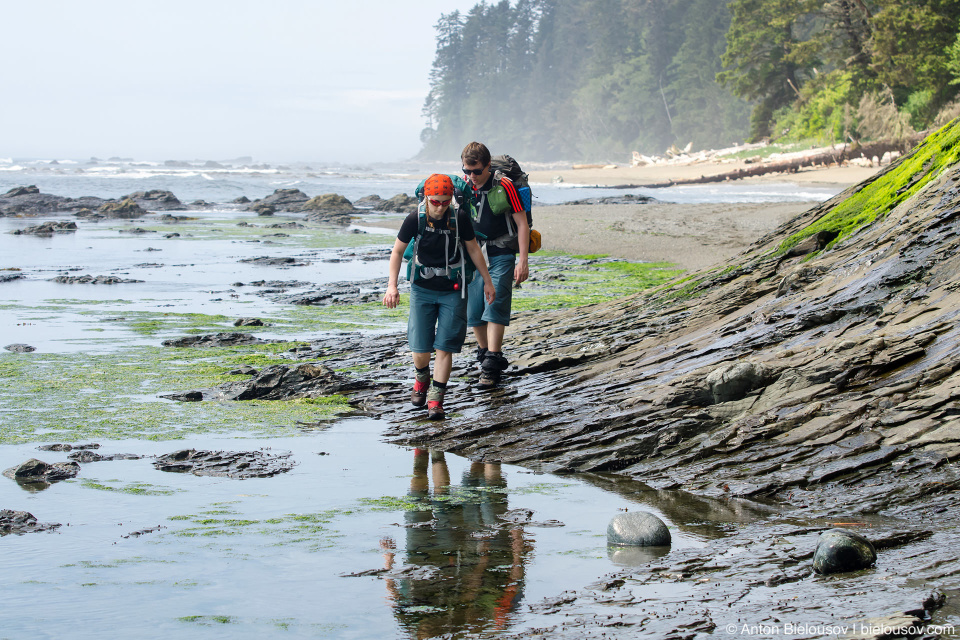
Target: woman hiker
{"x": 438, "y": 296}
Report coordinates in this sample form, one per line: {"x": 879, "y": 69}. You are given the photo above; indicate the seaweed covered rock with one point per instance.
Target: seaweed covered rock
{"x": 156, "y": 200}
{"x": 329, "y": 207}
{"x": 126, "y": 209}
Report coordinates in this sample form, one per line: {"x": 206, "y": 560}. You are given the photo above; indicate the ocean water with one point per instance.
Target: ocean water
{"x": 191, "y": 181}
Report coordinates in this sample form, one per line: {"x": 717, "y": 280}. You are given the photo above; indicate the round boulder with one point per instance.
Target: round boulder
{"x": 637, "y": 529}
{"x": 840, "y": 550}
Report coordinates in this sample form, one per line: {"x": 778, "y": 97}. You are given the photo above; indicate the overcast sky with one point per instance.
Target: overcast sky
{"x": 279, "y": 80}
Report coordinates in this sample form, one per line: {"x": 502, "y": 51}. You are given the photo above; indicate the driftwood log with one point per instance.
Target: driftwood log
{"x": 791, "y": 166}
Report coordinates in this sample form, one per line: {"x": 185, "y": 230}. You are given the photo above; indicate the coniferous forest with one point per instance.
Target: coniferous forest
{"x": 596, "y": 79}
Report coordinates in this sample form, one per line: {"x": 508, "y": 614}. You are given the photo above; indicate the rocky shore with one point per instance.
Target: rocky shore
{"x": 28, "y": 201}
{"x": 816, "y": 373}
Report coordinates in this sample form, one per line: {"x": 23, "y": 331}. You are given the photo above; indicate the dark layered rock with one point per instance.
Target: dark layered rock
{"x": 225, "y": 339}
{"x": 20, "y": 522}
{"x": 137, "y": 231}
{"x": 10, "y": 277}
{"x": 276, "y": 261}
{"x": 229, "y": 464}
{"x": 62, "y": 446}
{"x": 28, "y": 201}
{"x": 19, "y": 347}
{"x": 47, "y": 229}
{"x": 88, "y": 279}
{"x": 93, "y": 456}
{"x": 283, "y": 382}
{"x": 248, "y": 322}
{"x": 400, "y": 203}
{"x": 624, "y": 199}
{"x": 281, "y": 200}
{"x": 34, "y": 470}
{"x": 156, "y": 200}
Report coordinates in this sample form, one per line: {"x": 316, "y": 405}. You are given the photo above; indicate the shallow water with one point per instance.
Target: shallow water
{"x": 194, "y": 273}
{"x": 196, "y": 182}
{"x": 254, "y": 558}
{"x": 246, "y": 558}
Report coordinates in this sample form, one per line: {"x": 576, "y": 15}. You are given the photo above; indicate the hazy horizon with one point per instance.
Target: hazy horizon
{"x": 298, "y": 81}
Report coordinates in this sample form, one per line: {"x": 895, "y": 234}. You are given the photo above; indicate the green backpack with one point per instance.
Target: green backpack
{"x": 505, "y": 167}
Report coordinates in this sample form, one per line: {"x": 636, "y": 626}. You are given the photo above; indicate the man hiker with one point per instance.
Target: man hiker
{"x": 442, "y": 235}
{"x": 501, "y": 225}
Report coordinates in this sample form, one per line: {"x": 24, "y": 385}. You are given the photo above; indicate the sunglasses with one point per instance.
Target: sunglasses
{"x": 475, "y": 172}
{"x": 438, "y": 203}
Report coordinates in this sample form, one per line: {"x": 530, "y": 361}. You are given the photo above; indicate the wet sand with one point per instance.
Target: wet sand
{"x": 691, "y": 236}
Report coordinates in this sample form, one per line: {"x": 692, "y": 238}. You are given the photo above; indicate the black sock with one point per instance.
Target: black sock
{"x": 426, "y": 369}
{"x": 440, "y": 385}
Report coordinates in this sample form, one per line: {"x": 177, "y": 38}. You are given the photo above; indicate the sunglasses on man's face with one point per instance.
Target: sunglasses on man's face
{"x": 475, "y": 172}
{"x": 438, "y": 203}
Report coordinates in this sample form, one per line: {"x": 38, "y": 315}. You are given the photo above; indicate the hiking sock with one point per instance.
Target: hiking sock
{"x": 420, "y": 387}
{"x": 481, "y": 354}
{"x": 435, "y": 400}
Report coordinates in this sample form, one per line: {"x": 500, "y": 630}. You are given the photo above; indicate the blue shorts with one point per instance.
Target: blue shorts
{"x": 478, "y": 311}
{"x": 438, "y": 320}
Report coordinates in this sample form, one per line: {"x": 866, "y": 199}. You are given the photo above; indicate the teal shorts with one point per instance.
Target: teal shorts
{"x": 478, "y": 311}
{"x": 438, "y": 320}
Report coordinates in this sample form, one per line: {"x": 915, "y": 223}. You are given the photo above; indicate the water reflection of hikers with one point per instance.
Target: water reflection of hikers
{"x": 439, "y": 290}
{"x": 499, "y": 214}
{"x": 477, "y": 560}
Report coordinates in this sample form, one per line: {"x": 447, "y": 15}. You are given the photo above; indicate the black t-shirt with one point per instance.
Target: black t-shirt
{"x": 433, "y": 248}
{"x": 487, "y": 224}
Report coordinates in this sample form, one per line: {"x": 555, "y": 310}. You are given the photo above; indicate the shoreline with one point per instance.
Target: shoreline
{"x": 690, "y": 236}
{"x": 617, "y": 175}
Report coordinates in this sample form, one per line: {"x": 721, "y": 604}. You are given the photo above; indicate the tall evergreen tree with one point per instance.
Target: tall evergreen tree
{"x": 766, "y": 59}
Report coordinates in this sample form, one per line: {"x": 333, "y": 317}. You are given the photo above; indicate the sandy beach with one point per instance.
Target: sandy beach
{"x": 661, "y": 173}
{"x": 689, "y": 236}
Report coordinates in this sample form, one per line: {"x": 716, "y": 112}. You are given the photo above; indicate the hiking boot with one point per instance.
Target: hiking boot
{"x": 420, "y": 387}
{"x": 488, "y": 379}
{"x": 435, "y": 404}
{"x": 494, "y": 361}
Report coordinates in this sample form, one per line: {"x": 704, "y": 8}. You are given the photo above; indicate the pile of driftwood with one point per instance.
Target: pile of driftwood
{"x": 866, "y": 154}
